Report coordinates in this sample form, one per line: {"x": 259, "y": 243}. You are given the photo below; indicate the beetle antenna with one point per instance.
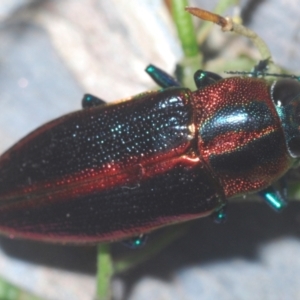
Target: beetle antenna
{"x": 263, "y": 74}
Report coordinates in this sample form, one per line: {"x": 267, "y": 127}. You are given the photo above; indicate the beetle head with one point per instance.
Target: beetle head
{"x": 286, "y": 96}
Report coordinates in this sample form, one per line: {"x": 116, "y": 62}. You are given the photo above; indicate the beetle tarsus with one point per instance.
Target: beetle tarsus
{"x": 136, "y": 242}
{"x": 89, "y": 100}
{"x": 162, "y": 78}
{"x": 204, "y": 78}
{"x": 260, "y": 69}
{"x": 273, "y": 198}
{"x": 220, "y": 215}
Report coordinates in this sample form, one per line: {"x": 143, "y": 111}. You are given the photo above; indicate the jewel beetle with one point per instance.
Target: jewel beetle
{"x": 115, "y": 171}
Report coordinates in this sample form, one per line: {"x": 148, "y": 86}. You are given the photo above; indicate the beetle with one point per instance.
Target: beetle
{"x": 116, "y": 171}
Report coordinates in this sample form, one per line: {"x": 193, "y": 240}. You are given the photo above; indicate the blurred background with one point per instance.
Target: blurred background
{"x": 51, "y": 53}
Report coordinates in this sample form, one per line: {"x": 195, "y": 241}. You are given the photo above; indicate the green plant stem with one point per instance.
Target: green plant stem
{"x": 185, "y": 28}
{"x": 104, "y": 272}
{"x": 192, "y": 59}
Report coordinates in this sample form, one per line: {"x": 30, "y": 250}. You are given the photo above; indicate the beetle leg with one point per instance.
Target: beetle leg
{"x": 161, "y": 77}
{"x": 274, "y": 198}
{"x": 260, "y": 69}
{"x": 204, "y": 78}
{"x": 283, "y": 187}
{"x": 220, "y": 215}
{"x": 89, "y": 100}
{"x": 136, "y": 241}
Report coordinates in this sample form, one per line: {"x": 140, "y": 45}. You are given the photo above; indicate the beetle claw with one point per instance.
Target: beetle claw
{"x": 162, "y": 78}
{"x": 274, "y": 198}
{"x": 205, "y": 78}
{"x": 220, "y": 215}
{"x": 89, "y": 100}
